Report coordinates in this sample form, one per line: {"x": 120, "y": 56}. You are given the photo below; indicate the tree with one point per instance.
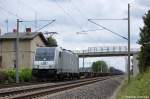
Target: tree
{"x": 51, "y": 41}
{"x": 144, "y": 41}
{"x": 99, "y": 66}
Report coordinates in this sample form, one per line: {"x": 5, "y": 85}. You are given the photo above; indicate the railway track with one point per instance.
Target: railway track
{"x": 20, "y": 84}
{"x": 37, "y": 92}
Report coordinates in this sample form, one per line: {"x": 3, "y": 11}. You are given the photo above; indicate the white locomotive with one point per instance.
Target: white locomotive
{"x": 55, "y": 62}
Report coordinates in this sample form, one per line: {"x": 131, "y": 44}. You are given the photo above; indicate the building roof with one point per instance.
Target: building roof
{"x": 23, "y": 36}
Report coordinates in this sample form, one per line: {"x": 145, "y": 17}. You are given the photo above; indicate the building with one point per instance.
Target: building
{"x": 29, "y": 41}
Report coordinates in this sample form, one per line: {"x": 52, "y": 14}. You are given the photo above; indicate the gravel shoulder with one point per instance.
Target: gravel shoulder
{"x": 99, "y": 90}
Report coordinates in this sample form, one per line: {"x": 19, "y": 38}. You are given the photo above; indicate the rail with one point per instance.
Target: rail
{"x": 42, "y": 91}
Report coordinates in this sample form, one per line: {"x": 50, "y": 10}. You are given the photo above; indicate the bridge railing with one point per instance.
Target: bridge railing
{"x": 106, "y": 49}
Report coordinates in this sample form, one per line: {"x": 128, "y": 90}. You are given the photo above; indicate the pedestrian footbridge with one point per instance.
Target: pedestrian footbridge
{"x": 110, "y": 51}
{"x": 106, "y": 51}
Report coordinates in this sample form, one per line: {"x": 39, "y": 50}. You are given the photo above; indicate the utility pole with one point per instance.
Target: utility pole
{"x": 7, "y": 25}
{"x": 83, "y": 61}
{"x": 35, "y": 20}
{"x": 17, "y": 53}
{"x": 128, "y": 42}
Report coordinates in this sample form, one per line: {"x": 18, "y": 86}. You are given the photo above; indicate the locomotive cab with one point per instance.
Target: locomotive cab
{"x": 45, "y": 61}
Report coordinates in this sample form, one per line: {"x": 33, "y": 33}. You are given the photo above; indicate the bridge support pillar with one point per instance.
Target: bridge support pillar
{"x": 135, "y": 65}
{"x": 83, "y": 61}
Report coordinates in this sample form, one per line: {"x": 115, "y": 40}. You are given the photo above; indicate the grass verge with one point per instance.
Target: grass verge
{"x": 138, "y": 88}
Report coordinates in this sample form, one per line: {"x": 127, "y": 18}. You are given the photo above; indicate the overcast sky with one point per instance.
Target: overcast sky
{"x": 72, "y": 17}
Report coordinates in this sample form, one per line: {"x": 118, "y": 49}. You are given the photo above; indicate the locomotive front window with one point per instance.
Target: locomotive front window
{"x": 45, "y": 54}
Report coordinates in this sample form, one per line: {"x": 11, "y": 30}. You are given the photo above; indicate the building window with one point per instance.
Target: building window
{"x": 14, "y": 45}
{"x": 14, "y": 63}
{"x": 0, "y": 61}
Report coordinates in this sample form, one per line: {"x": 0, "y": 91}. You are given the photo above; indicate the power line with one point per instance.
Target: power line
{"x": 111, "y": 19}
{"x": 27, "y": 6}
{"x": 31, "y": 8}
{"x": 88, "y": 31}
{"x": 9, "y": 12}
{"x": 73, "y": 20}
{"x": 51, "y": 21}
{"x": 45, "y": 26}
{"x": 108, "y": 29}
{"x": 34, "y": 20}
{"x": 78, "y": 10}
{"x": 132, "y": 1}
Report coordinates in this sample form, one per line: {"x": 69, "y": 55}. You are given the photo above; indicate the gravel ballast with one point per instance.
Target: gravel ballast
{"x": 99, "y": 90}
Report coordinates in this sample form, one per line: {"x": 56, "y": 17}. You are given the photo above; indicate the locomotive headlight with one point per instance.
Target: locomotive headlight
{"x": 36, "y": 66}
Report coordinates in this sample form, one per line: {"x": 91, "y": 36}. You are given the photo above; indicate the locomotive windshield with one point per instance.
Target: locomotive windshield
{"x": 45, "y": 54}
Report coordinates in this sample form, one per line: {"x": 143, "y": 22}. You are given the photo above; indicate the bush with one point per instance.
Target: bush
{"x": 3, "y": 77}
{"x": 9, "y": 75}
{"x": 25, "y": 75}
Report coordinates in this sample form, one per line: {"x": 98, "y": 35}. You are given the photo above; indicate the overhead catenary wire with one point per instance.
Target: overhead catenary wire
{"x": 77, "y": 9}
{"x": 45, "y": 26}
{"x": 73, "y": 20}
{"x": 136, "y": 5}
{"x": 27, "y": 6}
{"x": 9, "y": 12}
{"x": 84, "y": 31}
{"x": 51, "y": 21}
{"x": 32, "y": 9}
{"x": 110, "y": 19}
{"x": 85, "y": 17}
{"x": 35, "y": 11}
{"x": 34, "y": 20}
{"x": 108, "y": 29}
{"x": 80, "y": 12}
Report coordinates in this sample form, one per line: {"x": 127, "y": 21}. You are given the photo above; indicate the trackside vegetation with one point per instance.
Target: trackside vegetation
{"x": 8, "y": 75}
{"x": 99, "y": 67}
{"x": 138, "y": 88}
{"x": 144, "y": 41}
{"x": 51, "y": 42}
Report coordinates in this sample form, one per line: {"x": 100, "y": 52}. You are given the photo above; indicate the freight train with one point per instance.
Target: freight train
{"x": 58, "y": 63}
{"x": 55, "y": 62}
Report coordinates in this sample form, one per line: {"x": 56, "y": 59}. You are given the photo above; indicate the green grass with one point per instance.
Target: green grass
{"x": 138, "y": 87}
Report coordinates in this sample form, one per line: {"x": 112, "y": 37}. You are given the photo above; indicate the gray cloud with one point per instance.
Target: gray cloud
{"x": 80, "y": 11}
{"x": 144, "y": 2}
{"x": 138, "y": 13}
